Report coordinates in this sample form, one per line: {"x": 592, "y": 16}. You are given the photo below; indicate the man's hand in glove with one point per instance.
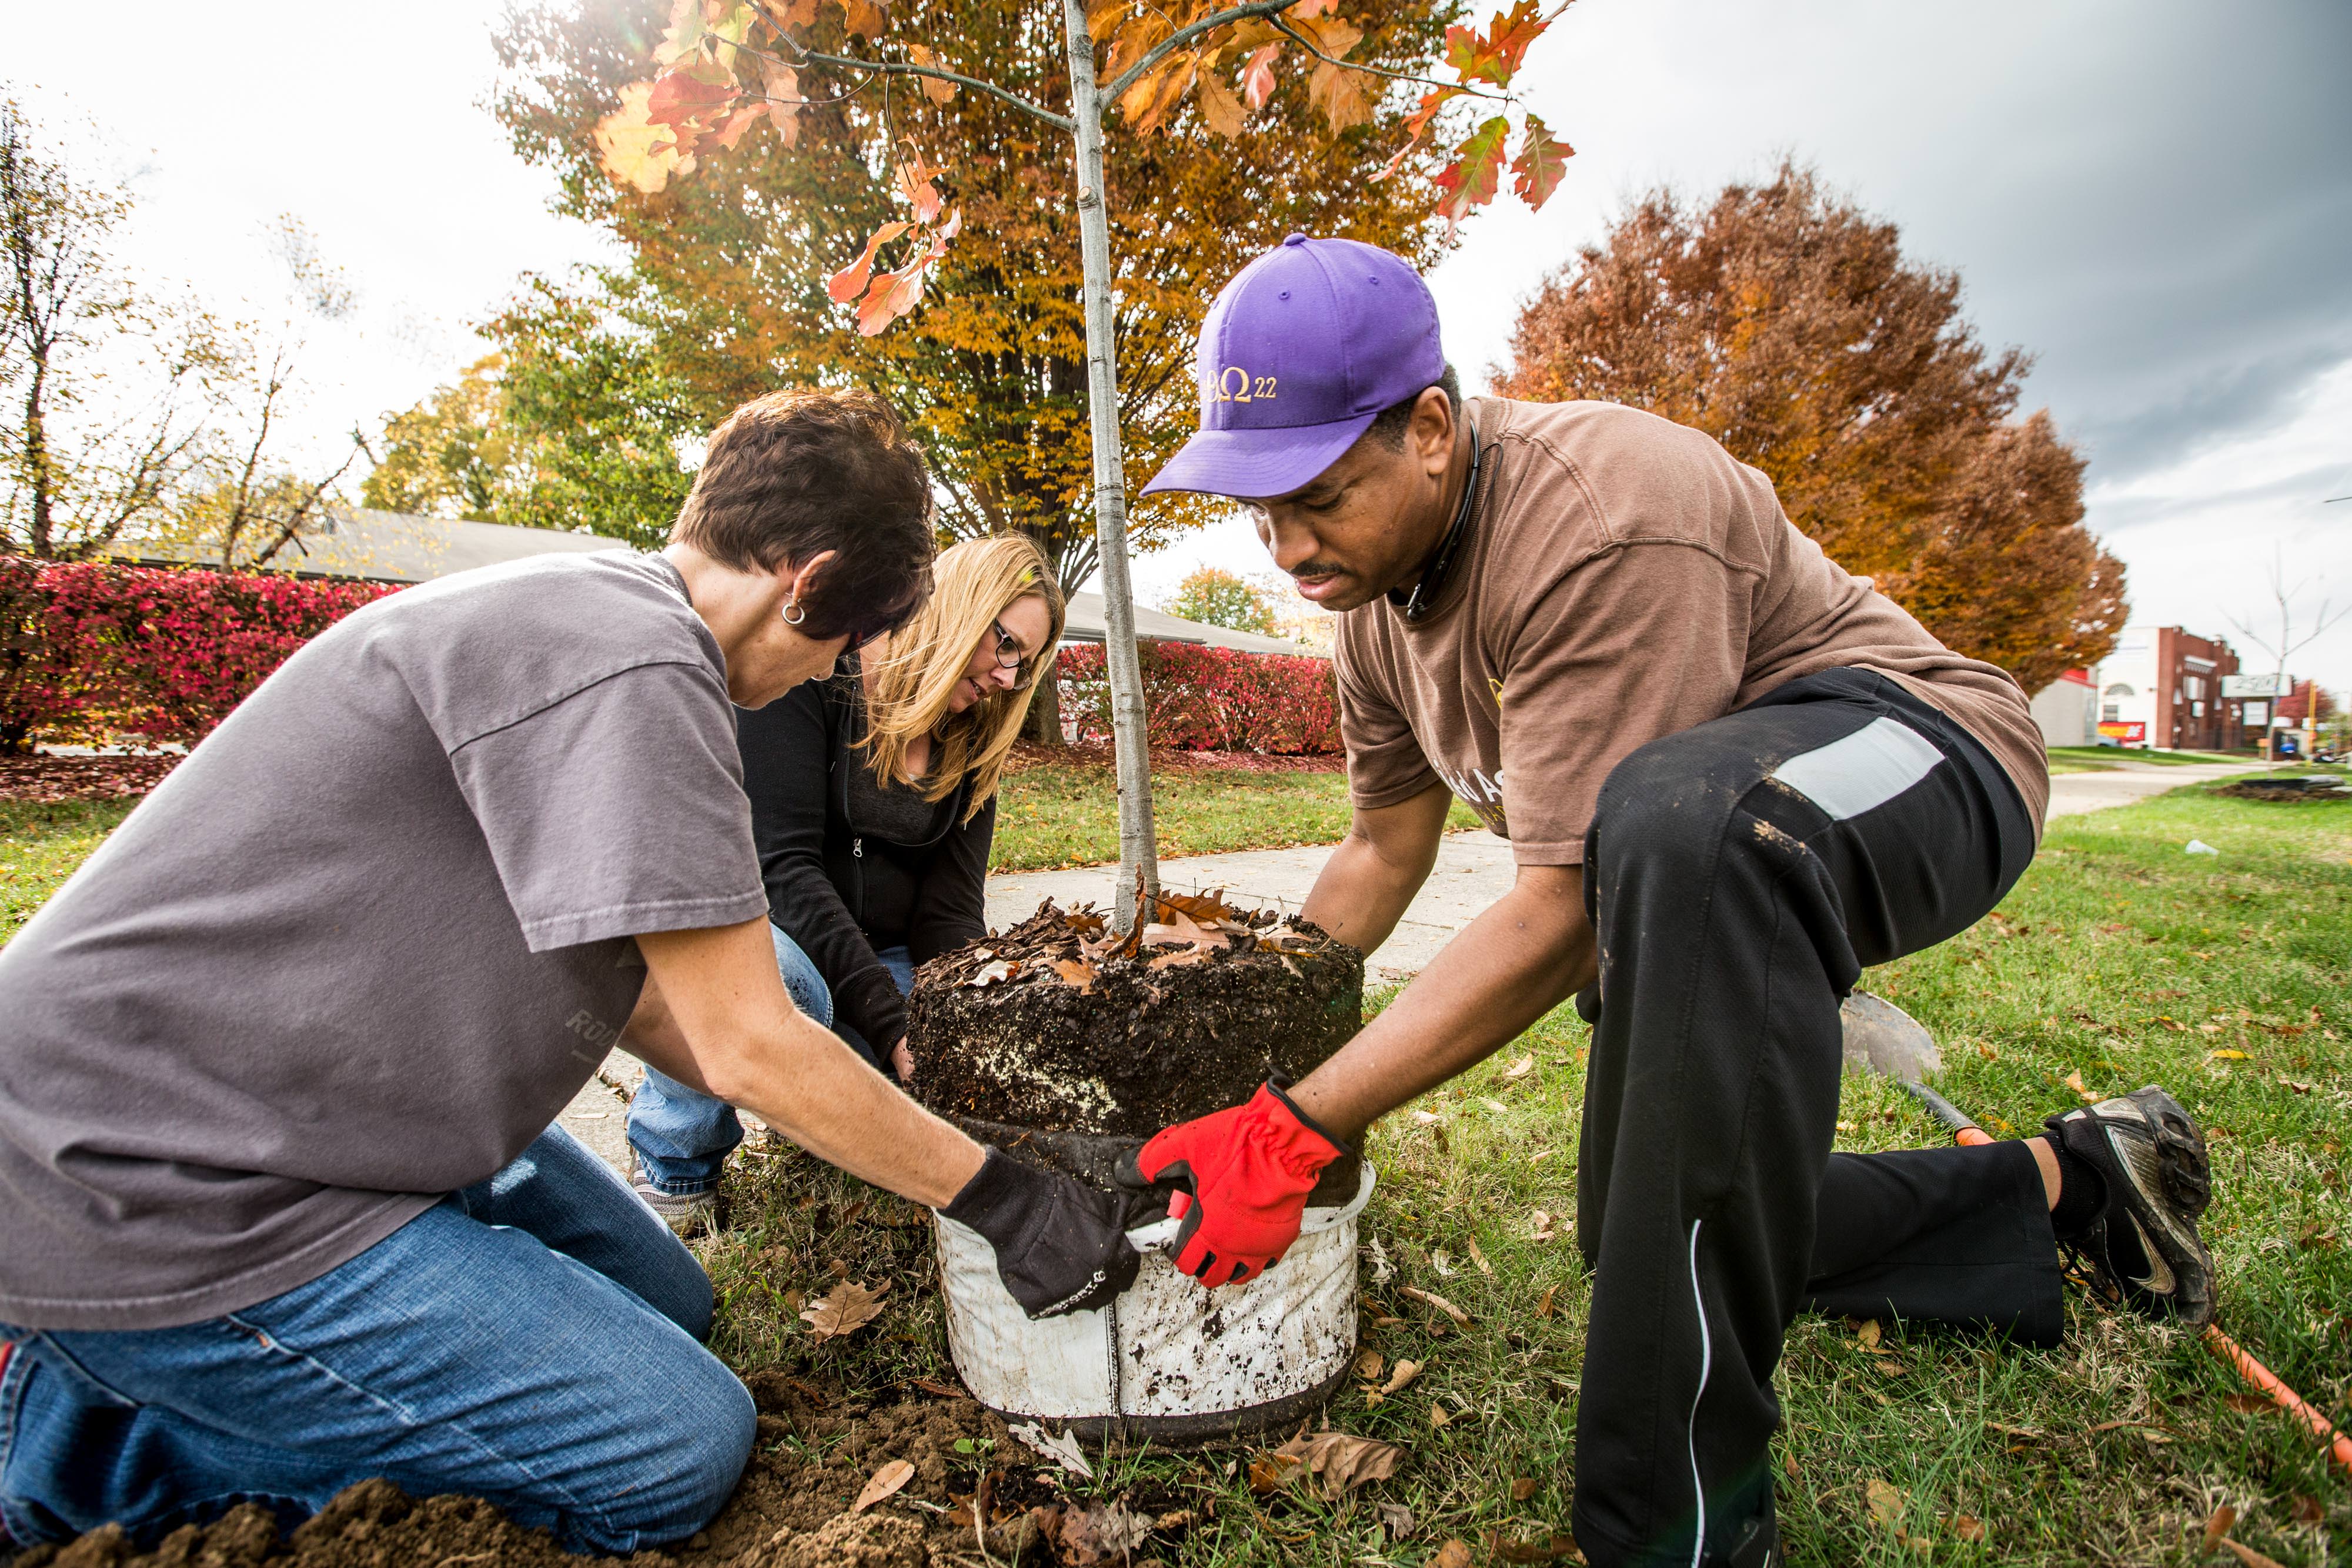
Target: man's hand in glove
{"x": 1060, "y": 1244}
{"x": 1247, "y": 1172}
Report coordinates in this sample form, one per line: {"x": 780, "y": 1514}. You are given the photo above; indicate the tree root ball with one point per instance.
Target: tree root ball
{"x": 1057, "y": 1027}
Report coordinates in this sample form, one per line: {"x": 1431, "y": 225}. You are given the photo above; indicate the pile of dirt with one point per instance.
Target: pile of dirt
{"x": 42, "y": 779}
{"x": 794, "y": 1509}
{"x": 1059, "y": 1026}
{"x": 2290, "y": 792}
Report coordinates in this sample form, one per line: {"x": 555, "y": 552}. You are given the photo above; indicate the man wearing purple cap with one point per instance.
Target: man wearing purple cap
{"x": 1732, "y": 776}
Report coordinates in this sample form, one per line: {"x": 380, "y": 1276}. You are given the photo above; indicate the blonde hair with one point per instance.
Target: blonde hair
{"x": 913, "y": 676}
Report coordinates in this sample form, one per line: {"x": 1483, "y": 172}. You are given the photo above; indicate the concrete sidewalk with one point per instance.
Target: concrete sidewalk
{"x": 1473, "y": 868}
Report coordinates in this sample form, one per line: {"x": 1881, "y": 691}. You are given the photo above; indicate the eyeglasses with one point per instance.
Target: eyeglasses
{"x": 1010, "y": 655}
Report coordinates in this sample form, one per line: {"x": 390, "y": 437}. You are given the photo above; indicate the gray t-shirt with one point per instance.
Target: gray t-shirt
{"x": 364, "y": 943}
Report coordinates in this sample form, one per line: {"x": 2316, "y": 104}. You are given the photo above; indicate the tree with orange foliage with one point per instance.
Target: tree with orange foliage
{"x": 726, "y": 69}
{"x": 1787, "y": 324}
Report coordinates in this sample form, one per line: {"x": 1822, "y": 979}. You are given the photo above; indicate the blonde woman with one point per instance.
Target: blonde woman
{"x": 873, "y": 803}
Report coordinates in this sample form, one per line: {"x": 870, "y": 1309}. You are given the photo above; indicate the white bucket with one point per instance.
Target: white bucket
{"x": 1167, "y": 1358}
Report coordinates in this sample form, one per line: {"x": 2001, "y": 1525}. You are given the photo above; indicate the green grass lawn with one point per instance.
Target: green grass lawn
{"x": 2119, "y": 957}
{"x": 41, "y": 845}
{"x": 2079, "y": 759}
{"x": 1053, "y": 815}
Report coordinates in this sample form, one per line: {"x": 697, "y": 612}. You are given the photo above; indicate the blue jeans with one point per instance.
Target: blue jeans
{"x": 532, "y": 1340}
{"x": 682, "y": 1135}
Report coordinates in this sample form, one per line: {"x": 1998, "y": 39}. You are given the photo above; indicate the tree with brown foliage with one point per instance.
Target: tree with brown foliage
{"x": 1786, "y": 323}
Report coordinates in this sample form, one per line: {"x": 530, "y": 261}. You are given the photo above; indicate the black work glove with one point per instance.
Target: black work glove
{"x": 1061, "y": 1245}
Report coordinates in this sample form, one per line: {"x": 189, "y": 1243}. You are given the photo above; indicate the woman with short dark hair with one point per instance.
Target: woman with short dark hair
{"x": 874, "y": 802}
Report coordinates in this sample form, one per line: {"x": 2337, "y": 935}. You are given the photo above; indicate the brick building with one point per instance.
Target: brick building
{"x": 2161, "y": 688}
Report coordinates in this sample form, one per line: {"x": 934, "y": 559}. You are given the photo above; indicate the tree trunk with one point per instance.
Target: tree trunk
{"x": 1044, "y": 724}
{"x": 1138, "y": 864}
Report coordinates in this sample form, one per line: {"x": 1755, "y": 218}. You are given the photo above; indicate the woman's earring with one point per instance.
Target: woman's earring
{"x": 795, "y": 612}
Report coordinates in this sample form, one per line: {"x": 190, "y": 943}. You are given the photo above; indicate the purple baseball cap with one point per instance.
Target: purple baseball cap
{"x": 1300, "y": 352}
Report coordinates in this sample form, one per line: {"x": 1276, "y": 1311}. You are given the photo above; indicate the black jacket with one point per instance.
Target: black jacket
{"x": 821, "y": 877}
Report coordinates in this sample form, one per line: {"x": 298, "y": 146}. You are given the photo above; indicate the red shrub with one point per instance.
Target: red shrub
{"x": 89, "y": 649}
{"x": 1212, "y": 699}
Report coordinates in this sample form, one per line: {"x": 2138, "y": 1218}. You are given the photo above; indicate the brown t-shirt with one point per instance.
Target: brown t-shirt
{"x": 1624, "y": 578}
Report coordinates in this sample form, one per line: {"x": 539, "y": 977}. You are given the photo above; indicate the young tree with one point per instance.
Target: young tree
{"x": 726, "y": 69}
{"x": 1786, "y": 323}
{"x": 2283, "y": 644}
{"x": 84, "y": 457}
{"x": 1215, "y": 597}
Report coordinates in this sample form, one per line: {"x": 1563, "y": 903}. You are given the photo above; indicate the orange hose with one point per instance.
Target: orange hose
{"x": 2261, "y": 1377}
{"x": 2279, "y": 1395}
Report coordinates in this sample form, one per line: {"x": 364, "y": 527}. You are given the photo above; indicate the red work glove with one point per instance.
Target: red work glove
{"x": 1243, "y": 1175}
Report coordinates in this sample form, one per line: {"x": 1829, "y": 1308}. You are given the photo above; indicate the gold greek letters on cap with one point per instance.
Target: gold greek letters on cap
{"x": 1233, "y": 385}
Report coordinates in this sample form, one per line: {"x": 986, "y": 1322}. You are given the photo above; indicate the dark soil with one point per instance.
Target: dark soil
{"x": 1056, "y": 1026}
{"x": 41, "y": 779}
{"x": 791, "y": 1510}
{"x": 2287, "y": 791}
{"x": 1167, "y": 759}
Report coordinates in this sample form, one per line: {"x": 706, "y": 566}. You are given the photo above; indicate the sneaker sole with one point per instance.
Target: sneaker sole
{"x": 2170, "y": 1164}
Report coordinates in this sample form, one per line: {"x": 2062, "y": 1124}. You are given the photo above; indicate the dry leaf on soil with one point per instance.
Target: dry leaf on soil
{"x": 1967, "y": 1527}
{"x": 1519, "y": 1069}
{"x": 989, "y": 973}
{"x": 1442, "y": 1261}
{"x": 1438, "y": 1416}
{"x": 1063, "y": 1450}
{"x": 1367, "y": 1363}
{"x": 1109, "y": 1533}
{"x": 1542, "y": 1223}
{"x": 1404, "y": 1372}
{"x": 1073, "y": 973}
{"x": 886, "y": 1482}
{"x": 1868, "y": 1334}
{"x": 844, "y": 1310}
{"x": 1343, "y": 1461}
{"x": 1523, "y": 1489}
{"x": 1272, "y": 1472}
{"x": 1453, "y": 1555}
{"x": 1396, "y": 1519}
{"x": 2074, "y": 1082}
{"x": 1888, "y": 1503}
{"x": 2217, "y": 1526}
{"x": 1479, "y": 1258}
{"x": 2249, "y": 1556}
{"x": 1433, "y": 1299}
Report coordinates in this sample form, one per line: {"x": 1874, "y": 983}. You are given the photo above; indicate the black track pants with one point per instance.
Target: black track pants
{"x": 1739, "y": 875}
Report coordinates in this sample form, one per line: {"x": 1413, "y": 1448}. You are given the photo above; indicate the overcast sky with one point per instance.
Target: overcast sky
{"x": 2154, "y": 199}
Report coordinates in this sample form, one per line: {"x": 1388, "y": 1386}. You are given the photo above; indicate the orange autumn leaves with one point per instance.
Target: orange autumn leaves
{"x": 724, "y": 67}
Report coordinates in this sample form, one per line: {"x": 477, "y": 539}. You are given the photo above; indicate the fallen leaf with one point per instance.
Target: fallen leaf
{"x": 991, "y": 972}
{"x": 1272, "y": 1472}
{"x": 1396, "y": 1519}
{"x": 1523, "y": 1489}
{"x": 1538, "y": 1550}
{"x": 1494, "y": 1104}
{"x": 2217, "y": 1525}
{"x": 1845, "y": 1126}
{"x": 1453, "y": 1555}
{"x": 2225, "y": 1056}
{"x": 2299, "y": 1088}
{"x": 1888, "y": 1503}
{"x": 1443, "y": 1262}
{"x": 1063, "y": 1450}
{"x": 2074, "y": 1082}
{"x": 1438, "y": 1416}
{"x": 1967, "y": 1527}
{"x": 1987, "y": 1051}
{"x": 1074, "y": 973}
{"x": 1868, "y": 1334}
{"x": 1367, "y": 1363}
{"x": 1519, "y": 1069}
{"x": 1382, "y": 1269}
{"x": 886, "y": 1482}
{"x": 1185, "y": 958}
{"x": 1402, "y": 1373}
{"x": 1478, "y": 1258}
{"x": 1427, "y": 1118}
{"x": 1543, "y": 1307}
{"x": 2246, "y": 1404}
{"x": 1108, "y": 1533}
{"x": 1541, "y": 1223}
{"x": 1431, "y": 1298}
{"x": 844, "y": 1310}
{"x": 1343, "y": 1461}
{"x": 2248, "y": 1555}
